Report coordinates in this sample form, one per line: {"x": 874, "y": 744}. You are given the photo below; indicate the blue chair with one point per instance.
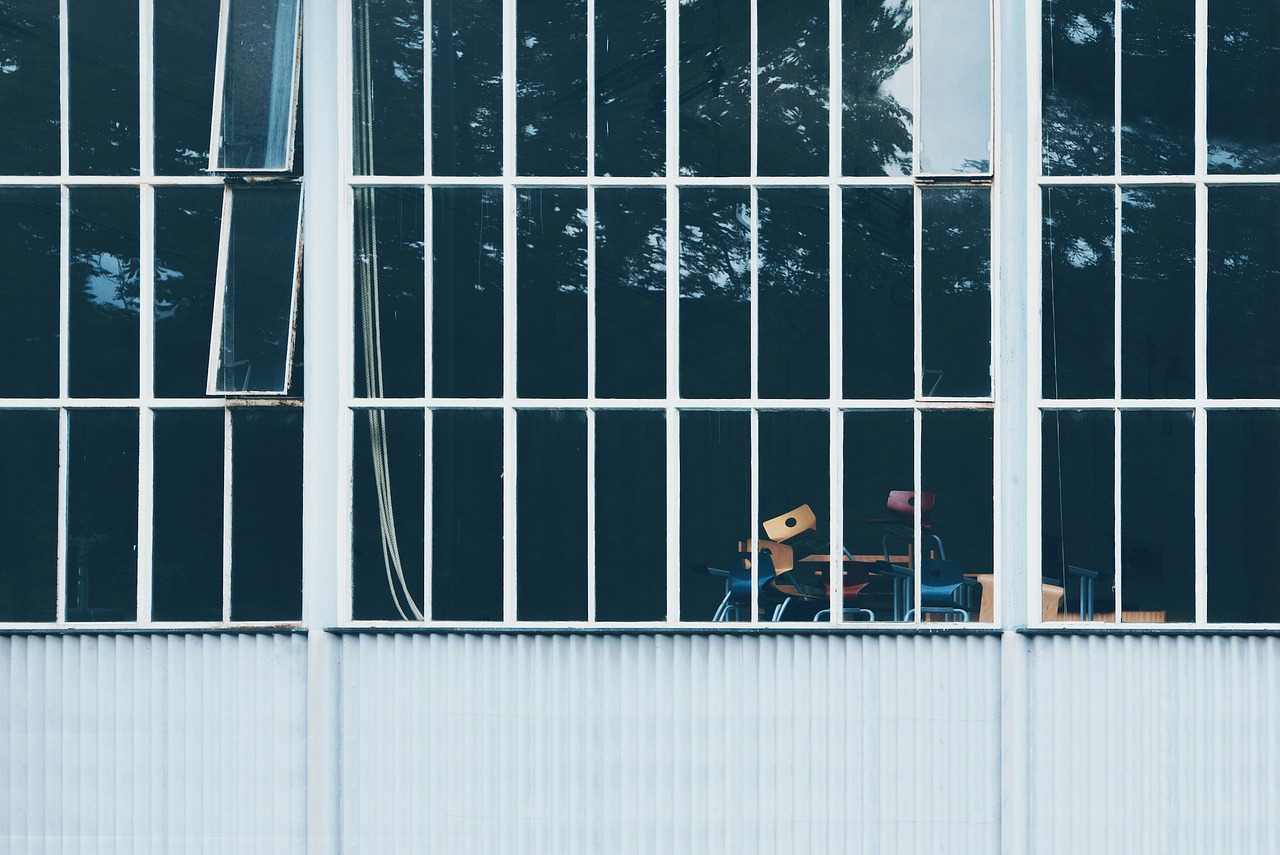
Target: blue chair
{"x": 737, "y": 587}
{"x": 945, "y": 590}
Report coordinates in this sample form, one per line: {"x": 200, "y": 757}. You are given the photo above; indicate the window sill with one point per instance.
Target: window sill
{"x": 658, "y": 629}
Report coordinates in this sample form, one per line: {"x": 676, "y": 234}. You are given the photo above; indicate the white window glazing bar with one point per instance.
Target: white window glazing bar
{"x": 753, "y": 307}
{"x": 835, "y": 325}
{"x": 1202, "y": 394}
{"x": 64, "y": 325}
{"x": 428, "y": 383}
{"x": 227, "y": 485}
{"x": 915, "y": 98}
{"x": 577, "y": 180}
{"x": 591, "y": 367}
{"x": 661, "y": 404}
{"x": 146, "y": 418}
{"x": 64, "y": 93}
{"x": 1117, "y": 386}
{"x": 107, "y": 180}
{"x": 1031, "y": 317}
{"x": 510, "y": 222}
{"x": 917, "y": 426}
{"x": 146, "y": 99}
{"x": 1117, "y": 59}
{"x": 671, "y": 349}
{"x": 428, "y": 76}
{"x": 64, "y": 455}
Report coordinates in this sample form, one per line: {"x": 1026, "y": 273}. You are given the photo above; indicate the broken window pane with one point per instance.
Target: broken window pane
{"x": 185, "y": 45}
{"x": 794, "y": 341}
{"x": 631, "y": 515}
{"x": 388, "y": 87}
{"x": 466, "y": 310}
{"x": 186, "y": 532}
{"x": 466, "y": 520}
{"x": 29, "y": 139}
{"x": 29, "y": 225}
{"x": 715, "y": 293}
{"x": 29, "y": 515}
{"x": 466, "y": 87}
{"x": 389, "y": 302}
{"x": 258, "y": 76}
{"x": 102, "y": 515}
{"x": 551, "y": 87}
{"x": 878, "y": 71}
{"x": 266, "y": 513}
{"x": 631, "y": 292}
{"x": 715, "y": 87}
{"x": 551, "y": 269}
{"x": 631, "y": 96}
{"x": 261, "y": 258}
{"x": 955, "y": 292}
{"x": 187, "y": 223}
{"x": 791, "y": 79}
{"x": 879, "y": 292}
{"x": 387, "y": 515}
{"x": 105, "y": 310}
{"x": 102, "y": 86}
{"x": 551, "y": 515}
{"x": 955, "y": 86}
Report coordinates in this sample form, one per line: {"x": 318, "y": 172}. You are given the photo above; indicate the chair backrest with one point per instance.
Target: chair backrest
{"x": 903, "y": 502}
{"x": 784, "y": 557}
{"x": 740, "y": 575}
{"x": 791, "y": 523}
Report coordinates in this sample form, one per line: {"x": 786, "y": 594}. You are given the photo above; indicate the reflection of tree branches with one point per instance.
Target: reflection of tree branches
{"x": 877, "y": 127}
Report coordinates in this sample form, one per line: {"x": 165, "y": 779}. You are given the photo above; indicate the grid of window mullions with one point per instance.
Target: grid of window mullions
{"x": 1200, "y": 405}
{"x": 673, "y": 405}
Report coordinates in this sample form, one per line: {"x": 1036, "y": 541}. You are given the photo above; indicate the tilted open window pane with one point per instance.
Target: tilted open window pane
{"x": 259, "y": 52}
{"x": 257, "y": 300}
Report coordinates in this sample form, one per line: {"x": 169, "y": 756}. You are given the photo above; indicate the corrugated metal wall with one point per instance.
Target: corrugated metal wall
{"x": 669, "y": 744}
{"x": 160, "y": 744}
{"x": 1155, "y": 744}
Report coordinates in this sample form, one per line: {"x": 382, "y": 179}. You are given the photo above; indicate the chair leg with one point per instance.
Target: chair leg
{"x": 722, "y": 609}
{"x": 781, "y": 607}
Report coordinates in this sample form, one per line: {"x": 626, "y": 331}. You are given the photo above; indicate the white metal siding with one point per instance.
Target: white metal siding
{"x": 1155, "y": 744}
{"x": 152, "y": 744}
{"x": 672, "y": 744}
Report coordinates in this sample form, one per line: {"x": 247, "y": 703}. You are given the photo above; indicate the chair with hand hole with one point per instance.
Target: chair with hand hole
{"x": 736, "y": 568}
{"x": 945, "y": 590}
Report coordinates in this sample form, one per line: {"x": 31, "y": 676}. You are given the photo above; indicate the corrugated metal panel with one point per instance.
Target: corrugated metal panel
{"x": 1155, "y": 744}
{"x": 152, "y": 744}
{"x": 673, "y": 744}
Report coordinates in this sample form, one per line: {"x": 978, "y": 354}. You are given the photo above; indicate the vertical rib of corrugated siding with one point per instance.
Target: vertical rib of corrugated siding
{"x": 474, "y": 744}
{"x": 1155, "y": 744}
{"x": 153, "y": 744}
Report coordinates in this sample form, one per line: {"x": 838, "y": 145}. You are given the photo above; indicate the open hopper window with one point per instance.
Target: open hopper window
{"x": 256, "y": 86}
{"x": 256, "y": 306}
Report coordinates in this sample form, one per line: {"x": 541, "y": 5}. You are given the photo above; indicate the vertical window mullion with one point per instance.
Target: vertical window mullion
{"x": 227, "y": 486}
{"x": 1117, "y": 365}
{"x": 64, "y": 323}
{"x": 428, "y": 148}
{"x": 1118, "y": 126}
{"x": 64, "y": 455}
{"x": 428, "y": 362}
{"x": 146, "y": 100}
{"x": 1117, "y": 503}
{"x": 917, "y": 423}
{"x": 591, "y": 340}
{"x": 1202, "y": 384}
{"x": 754, "y": 350}
{"x": 64, "y": 101}
{"x": 509, "y": 248}
{"x": 835, "y": 290}
{"x": 918, "y": 367}
{"x": 146, "y": 352}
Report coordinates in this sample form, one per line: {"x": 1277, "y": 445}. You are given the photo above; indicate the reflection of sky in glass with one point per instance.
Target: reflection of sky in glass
{"x": 106, "y": 284}
{"x": 955, "y": 85}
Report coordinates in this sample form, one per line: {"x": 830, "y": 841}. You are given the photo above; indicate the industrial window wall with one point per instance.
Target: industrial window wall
{"x": 1159, "y": 380}
{"x": 671, "y": 328}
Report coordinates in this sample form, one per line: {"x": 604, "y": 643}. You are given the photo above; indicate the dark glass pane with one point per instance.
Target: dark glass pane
{"x": 186, "y": 539}
{"x": 551, "y": 270}
{"x": 390, "y": 303}
{"x": 955, "y": 292}
{"x": 466, "y": 526}
{"x": 187, "y": 228}
{"x": 631, "y": 515}
{"x": 1157, "y": 516}
{"x": 29, "y": 515}
{"x": 185, "y": 49}
{"x": 29, "y": 245}
{"x": 1244, "y": 86}
{"x": 794, "y": 300}
{"x": 956, "y": 465}
{"x": 715, "y": 293}
{"x": 260, "y": 70}
{"x": 715, "y": 504}
{"x": 388, "y": 87}
{"x": 879, "y": 459}
{"x": 631, "y": 88}
{"x": 466, "y": 350}
{"x": 262, "y": 263}
{"x": 1078, "y": 504}
{"x": 792, "y": 70}
{"x": 715, "y": 87}
{"x": 266, "y": 514}
{"x": 1244, "y": 292}
{"x": 631, "y": 292}
{"x": 1078, "y": 292}
{"x": 1158, "y": 87}
{"x": 466, "y": 87}
{"x": 794, "y": 471}
{"x": 102, "y": 515}
{"x": 1078, "y": 116}
{"x": 1244, "y": 516}
{"x": 102, "y": 83}
{"x": 955, "y": 86}
{"x": 551, "y": 515}
{"x": 551, "y": 87}
{"x": 104, "y": 292}
{"x": 879, "y": 293}
{"x": 387, "y": 514}
{"x": 1157, "y": 312}
{"x": 878, "y": 90}
{"x": 29, "y": 139}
